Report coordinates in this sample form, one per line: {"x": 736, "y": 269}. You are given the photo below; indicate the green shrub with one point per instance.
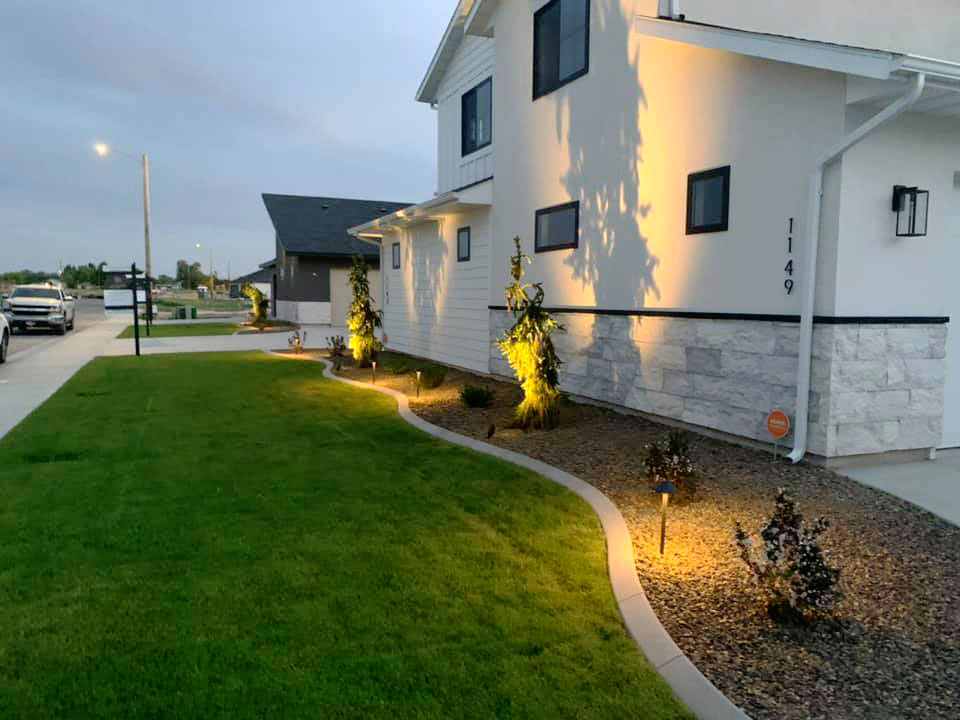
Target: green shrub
{"x": 396, "y": 364}
{"x": 669, "y": 461}
{"x": 529, "y": 350}
{"x": 362, "y": 319}
{"x": 432, "y": 376}
{"x": 476, "y": 397}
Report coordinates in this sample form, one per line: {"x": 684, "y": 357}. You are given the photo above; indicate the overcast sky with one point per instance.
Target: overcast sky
{"x": 229, "y": 98}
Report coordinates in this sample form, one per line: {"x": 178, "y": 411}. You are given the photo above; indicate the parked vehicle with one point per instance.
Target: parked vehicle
{"x": 4, "y": 338}
{"x": 42, "y": 305}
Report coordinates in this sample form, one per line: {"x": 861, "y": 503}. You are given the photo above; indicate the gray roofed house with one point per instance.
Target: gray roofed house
{"x": 261, "y": 278}
{"x": 314, "y": 251}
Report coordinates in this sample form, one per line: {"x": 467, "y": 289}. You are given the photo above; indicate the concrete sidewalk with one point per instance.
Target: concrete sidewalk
{"x": 316, "y": 338}
{"x": 33, "y": 375}
{"x": 933, "y": 485}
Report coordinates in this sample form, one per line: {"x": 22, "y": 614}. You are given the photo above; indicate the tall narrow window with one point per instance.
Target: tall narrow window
{"x": 561, "y": 44}
{"x": 476, "y": 117}
{"x": 396, "y": 256}
{"x": 557, "y": 227}
{"x": 463, "y": 244}
{"x": 708, "y": 201}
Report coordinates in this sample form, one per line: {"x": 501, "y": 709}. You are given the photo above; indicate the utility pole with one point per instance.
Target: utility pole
{"x": 145, "y": 161}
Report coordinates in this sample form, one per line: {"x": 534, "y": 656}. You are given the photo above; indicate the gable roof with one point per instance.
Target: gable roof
{"x": 263, "y": 275}
{"x": 318, "y": 225}
{"x": 451, "y": 40}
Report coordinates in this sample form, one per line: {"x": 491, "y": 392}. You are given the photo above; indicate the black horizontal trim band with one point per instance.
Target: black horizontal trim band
{"x": 122, "y": 307}
{"x": 763, "y": 317}
{"x": 473, "y": 184}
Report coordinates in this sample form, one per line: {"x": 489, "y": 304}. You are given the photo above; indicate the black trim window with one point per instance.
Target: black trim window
{"x": 708, "y": 201}
{"x": 557, "y": 227}
{"x": 476, "y": 118}
{"x": 561, "y": 44}
{"x": 463, "y": 244}
{"x": 395, "y": 249}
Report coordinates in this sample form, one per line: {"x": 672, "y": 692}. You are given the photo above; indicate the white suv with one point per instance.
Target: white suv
{"x": 4, "y": 338}
{"x": 40, "y": 306}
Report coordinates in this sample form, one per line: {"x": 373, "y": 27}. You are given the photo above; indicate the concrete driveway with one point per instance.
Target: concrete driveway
{"x": 933, "y": 485}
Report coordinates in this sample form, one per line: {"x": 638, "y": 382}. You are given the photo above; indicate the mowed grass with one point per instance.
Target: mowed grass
{"x": 233, "y": 536}
{"x": 183, "y": 330}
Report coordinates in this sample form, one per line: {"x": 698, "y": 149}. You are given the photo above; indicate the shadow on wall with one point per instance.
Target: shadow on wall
{"x": 426, "y": 260}
{"x": 605, "y": 146}
{"x": 613, "y": 261}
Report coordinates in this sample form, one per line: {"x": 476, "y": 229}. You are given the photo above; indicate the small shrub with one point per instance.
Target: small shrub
{"x": 336, "y": 345}
{"x": 260, "y": 305}
{"x": 475, "y": 396}
{"x": 791, "y": 569}
{"x": 432, "y": 376}
{"x": 669, "y": 461}
{"x": 396, "y": 364}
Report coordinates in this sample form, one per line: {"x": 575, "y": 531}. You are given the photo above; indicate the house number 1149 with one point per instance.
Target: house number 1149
{"x": 788, "y": 268}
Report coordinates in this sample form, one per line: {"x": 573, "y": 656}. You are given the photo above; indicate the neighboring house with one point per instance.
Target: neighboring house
{"x": 261, "y": 279}
{"x": 310, "y": 283}
{"x": 712, "y": 214}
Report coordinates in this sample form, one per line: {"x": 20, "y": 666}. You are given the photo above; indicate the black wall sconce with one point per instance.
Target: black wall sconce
{"x": 911, "y": 206}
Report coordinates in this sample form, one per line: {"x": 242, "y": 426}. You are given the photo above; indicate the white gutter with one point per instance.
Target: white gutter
{"x": 813, "y": 239}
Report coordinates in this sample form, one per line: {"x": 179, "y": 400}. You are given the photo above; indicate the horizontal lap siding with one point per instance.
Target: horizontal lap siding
{"x": 436, "y": 306}
{"x": 472, "y": 64}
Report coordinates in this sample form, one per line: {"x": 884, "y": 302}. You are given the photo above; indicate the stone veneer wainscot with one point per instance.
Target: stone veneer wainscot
{"x": 874, "y": 388}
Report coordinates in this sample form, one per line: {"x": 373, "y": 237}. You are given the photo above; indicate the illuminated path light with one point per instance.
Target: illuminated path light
{"x": 665, "y": 489}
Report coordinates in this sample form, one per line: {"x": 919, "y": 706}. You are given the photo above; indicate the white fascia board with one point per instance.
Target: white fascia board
{"x": 452, "y": 37}
{"x": 479, "y": 20}
{"x": 390, "y": 222}
{"x": 838, "y": 58}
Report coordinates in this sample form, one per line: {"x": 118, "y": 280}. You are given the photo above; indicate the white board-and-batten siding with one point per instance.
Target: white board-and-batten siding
{"x": 434, "y": 305}
{"x": 471, "y": 65}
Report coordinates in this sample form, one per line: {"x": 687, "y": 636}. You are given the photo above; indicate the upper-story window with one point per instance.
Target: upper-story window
{"x": 561, "y": 44}
{"x": 476, "y": 117}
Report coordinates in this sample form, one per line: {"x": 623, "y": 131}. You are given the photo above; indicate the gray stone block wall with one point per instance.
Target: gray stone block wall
{"x": 873, "y": 387}
{"x": 879, "y": 387}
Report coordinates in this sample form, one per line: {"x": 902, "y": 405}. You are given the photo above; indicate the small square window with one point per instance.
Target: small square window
{"x": 708, "y": 201}
{"x": 463, "y": 244}
{"x": 396, "y": 256}
{"x": 557, "y": 227}
{"x": 476, "y": 116}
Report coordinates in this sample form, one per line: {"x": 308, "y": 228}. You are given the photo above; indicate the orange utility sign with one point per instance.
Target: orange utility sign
{"x": 778, "y": 424}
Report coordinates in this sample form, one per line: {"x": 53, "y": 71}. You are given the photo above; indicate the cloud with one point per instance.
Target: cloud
{"x": 230, "y": 99}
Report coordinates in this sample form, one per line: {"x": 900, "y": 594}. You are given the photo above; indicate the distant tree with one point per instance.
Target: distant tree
{"x": 362, "y": 319}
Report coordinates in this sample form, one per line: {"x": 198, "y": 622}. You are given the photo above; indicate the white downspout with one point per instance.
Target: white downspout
{"x": 813, "y": 239}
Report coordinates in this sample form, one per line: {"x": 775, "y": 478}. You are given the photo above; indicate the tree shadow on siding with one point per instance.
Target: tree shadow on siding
{"x": 605, "y": 147}
{"x": 613, "y": 260}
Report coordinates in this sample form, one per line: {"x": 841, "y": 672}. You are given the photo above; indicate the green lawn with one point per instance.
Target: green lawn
{"x": 233, "y": 536}
{"x": 183, "y": 330}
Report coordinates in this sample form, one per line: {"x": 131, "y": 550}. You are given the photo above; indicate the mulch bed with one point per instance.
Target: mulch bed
{"x": 893, "y": 649}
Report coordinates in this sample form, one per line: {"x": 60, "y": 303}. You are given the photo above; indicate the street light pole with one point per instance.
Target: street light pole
{"x": 145, "y": 162}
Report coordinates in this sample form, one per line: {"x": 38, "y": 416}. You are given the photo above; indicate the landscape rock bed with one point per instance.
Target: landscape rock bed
{"x": 893, "y": 650}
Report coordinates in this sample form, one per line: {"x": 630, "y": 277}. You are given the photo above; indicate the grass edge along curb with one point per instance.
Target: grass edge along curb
{"x": 689, "y": 685}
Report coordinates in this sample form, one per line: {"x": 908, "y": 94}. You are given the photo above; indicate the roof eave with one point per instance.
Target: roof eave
{"x": 452, "y": 37}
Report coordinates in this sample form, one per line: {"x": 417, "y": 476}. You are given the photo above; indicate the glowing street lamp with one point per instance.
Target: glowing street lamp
{"x": 666, "y": 489}
{"x": 103, "y": 150}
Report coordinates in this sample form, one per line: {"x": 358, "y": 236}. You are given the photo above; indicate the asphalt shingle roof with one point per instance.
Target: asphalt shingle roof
{"x": 263, "y": 275}
{"x": 318, "y": 225}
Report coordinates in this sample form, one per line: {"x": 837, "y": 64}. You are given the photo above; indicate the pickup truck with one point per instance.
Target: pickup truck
{"x": 40, "y": 306}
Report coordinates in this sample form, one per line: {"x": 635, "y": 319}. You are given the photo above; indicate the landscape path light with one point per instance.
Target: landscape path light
{"x": 418, "y": 383}
{"x": 666, "y": 490}
{"x": 374, "y": 362}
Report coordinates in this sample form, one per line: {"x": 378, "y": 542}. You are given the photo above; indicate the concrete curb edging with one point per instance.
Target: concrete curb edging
{"x": 687, "y": 683}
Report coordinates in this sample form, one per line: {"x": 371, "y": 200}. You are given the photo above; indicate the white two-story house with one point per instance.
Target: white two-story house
{"x": 731, "y": 209}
